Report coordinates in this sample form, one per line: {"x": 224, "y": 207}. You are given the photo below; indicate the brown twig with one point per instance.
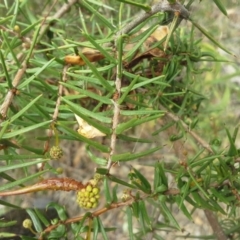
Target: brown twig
{"x": 187, "y": 129}
{"x": 65, "y": 8}
{"x": 212, "y": 219}
{"x": 116, "y": 113}
{"x": 9, "y": 97}
{"x": 161, "y": 6}
{"x": 63, "y": 184}
{"x": 216, "y": 227}
{"x": 60, "y": 93}
{"x": 101, "y": 211}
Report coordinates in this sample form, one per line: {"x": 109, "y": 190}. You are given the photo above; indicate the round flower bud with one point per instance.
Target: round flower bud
{"x": 27, "y": 223}
{"x": 16, "y": 28}
{"x": 59, "y": 170}
{"x": 56, "y": 152}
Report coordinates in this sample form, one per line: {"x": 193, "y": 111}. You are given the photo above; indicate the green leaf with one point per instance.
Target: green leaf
{"x": 135, "y": 122}
{"x": 35, "y": 220}
{"x": 201, "y": 202}
{"x": 165, "y": 209}
{"x": 203, "y": 161}
{"x": 127, "y": 90}
{"x": 22, "y": 180}
{"x": 182, "y": 206}
{"x": 89, "y": 94}
{"x": 4, "y": 125}
{"x": 42, "y": 217}
{"x": 133, "y": 156}
{"x": 100, "y": 49}
{"x": 29, "y": 28}
{"x": 133, "y": 139}
{"x": 79, "y": 137}
{"x": 197, "y": 184}
{"x": 145, "y": 7}
{"x": 140, "y": 112}
{"x": 130, "y": 223}
{"x": 21, "y": 165}
{"x": 30, "y": 79}
{"x": 57, "y": 233}
{"x": 24, "y": 109}
{"x": 185, "y": 189}
{"x": 220, "y": 196}
{"x": 24, "y": 130}
{"x": 135, "y": 209}
{"x": 7, "y": 204}
{"x": 97, "y": 160}
{"x": 20, "y": 157}
{"x": 102, "y": 229}
{"x": 100, "y": 78}
{"x": 160, "y": 177}
{"x": 210, "y": 37}
{"x": 80, "y": 226}
{"x": 107, "y": 192}
{"x": 232, "y": 148}
{"x": 101, "y": 18}
{"x": 144, "y": 214}
{"x": 60, "y": 210}
{"x": 121, "y": 182}
{"x": 9, "y": 81}
{"x": 220, "y": 6}
{"x": 144, "y": 182}
{"x": 95, "y": 228}
{"x": 145, "y": 81}
{"x": 76, "y": 108}
{"x": 160, "y": 189}
{"x": 4, "y": 224}
{"x": 114, "y": 194}
{"x": 7, "y": 235}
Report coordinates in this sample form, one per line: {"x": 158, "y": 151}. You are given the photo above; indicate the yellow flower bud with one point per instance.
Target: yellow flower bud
{"x": 27, "y": 223}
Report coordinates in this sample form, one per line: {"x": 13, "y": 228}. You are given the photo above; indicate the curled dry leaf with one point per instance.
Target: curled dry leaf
{"x": 94, "y": 55}
{"x": 156, "y": 36}
{"x": 91, "y": 54}
{"x": 148, "y": 51}
{"x": 63, "y": 184}
{"x": 87, "y": 130}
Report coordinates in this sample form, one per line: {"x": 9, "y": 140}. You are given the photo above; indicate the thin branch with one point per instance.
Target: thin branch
{"x": 64, "y": 9}
{"x": 60, "y": 93}
{"x": 115, "y": 120}
{"x": 212, "y": 219}
{"x": 161, "y": 6}
{"x": 187, "y": 129}
{"x": 101, "y": 211}
{"x": 9, "y": 97}
{"x": 116, "y": 112}
{"x": 216, "y": 227}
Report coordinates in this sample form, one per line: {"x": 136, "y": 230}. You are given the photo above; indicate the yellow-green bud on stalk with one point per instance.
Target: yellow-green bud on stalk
{"x": 27, "y": 223}
{"x": 56, "y": 152}
{"x": 16, "y": 28}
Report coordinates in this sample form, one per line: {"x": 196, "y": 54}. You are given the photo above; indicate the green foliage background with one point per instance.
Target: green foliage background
{"x": 176, "y": 136}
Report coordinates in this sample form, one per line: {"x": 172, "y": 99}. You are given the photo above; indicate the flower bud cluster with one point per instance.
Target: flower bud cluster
{"x": 56, "y": 152}
{"x": 88, "y": 197}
